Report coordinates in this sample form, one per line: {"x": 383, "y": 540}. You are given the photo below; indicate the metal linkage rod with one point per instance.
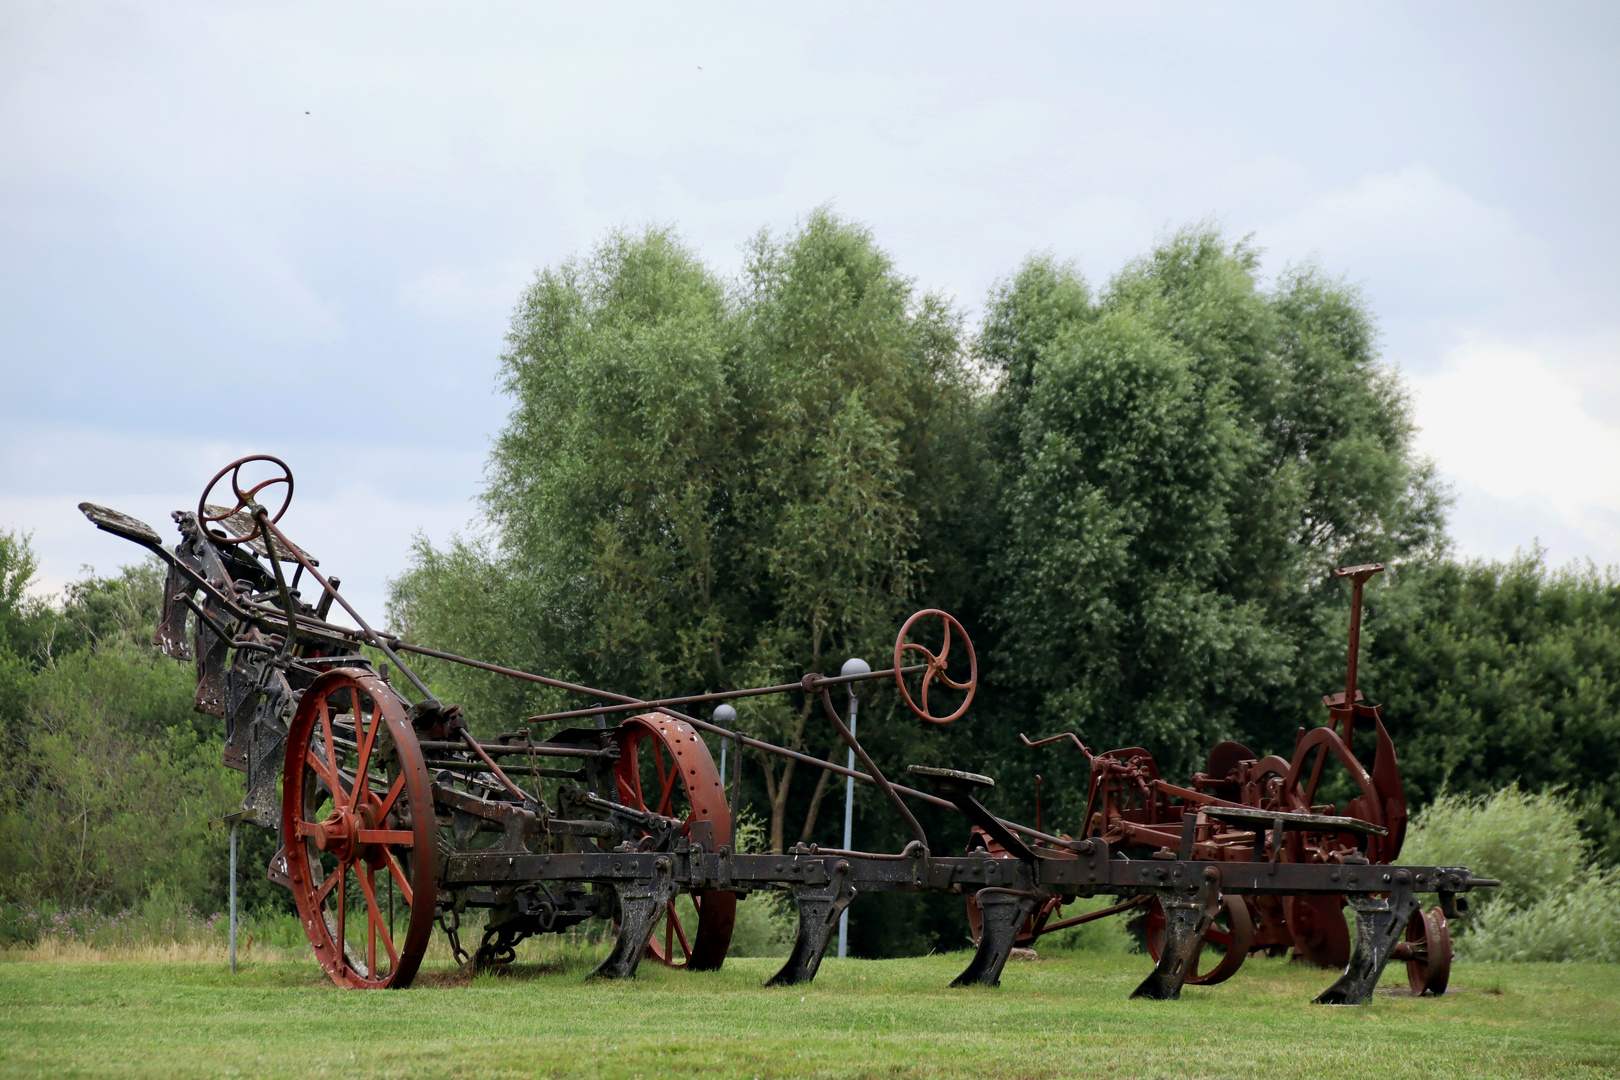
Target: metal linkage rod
{"x": 372, "y": 637}
{"x": 813, "y": 683}
{"x": 821, "y": 763}
{"x": 389, "y": 643}
{"x": 877, "y": 775}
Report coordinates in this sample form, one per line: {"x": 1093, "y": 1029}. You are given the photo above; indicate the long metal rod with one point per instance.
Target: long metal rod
{"x": 472, "y": 743}
{"x": 849, "y": 819}
{"x": 877, "y": 775}
{"x": 233, "y": 897}
{"x": 372, "y": 637}
{"x": 626, "y": 699}
{"x": 1100, "y": 913}
{"x": 725, "y": 695}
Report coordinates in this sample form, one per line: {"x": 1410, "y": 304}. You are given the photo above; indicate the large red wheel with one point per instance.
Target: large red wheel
{"x": 1232, "y": 931}
{"x": 665, "y": 767}
{"x": 358, "y": 825}
{"x": 1316, "y": 923}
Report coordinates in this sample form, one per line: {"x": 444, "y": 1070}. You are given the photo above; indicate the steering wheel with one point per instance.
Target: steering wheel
{"x": 244, "y": 499}
{"x": 936, "y": 666}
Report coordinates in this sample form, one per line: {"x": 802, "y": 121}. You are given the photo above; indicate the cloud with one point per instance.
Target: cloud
{"x": 1423, "y": 243}
{"x": 357, "y": 515}
{"x": 1514, "y": 432}
{"x": 474, "y": 294}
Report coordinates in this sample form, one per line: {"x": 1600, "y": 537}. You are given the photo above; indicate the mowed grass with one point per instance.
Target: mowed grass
{"x": 1065, "y": 1015}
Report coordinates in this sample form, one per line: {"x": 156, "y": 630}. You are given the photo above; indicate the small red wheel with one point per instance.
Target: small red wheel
{"x": 665, "y": 767}
{"x": 244, "y": 499}
{"x": 936, "y": 664}
{"x": 1427, "y": 952}
{"x": 1233, "y": 938}
{"x": 358, "y": 825}
{"x": 1316, "y": 923}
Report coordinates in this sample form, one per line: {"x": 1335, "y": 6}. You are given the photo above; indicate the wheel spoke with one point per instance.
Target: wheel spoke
{"x": 326, "y": 888}
{"x": 373, "y": 917}
{"x": 313, "y": 760}
{"x": 399, "y": 878}
{"x": 668, "y": 780}
{"x": 658, "y": 764}
{"x": 365, "y": 742}
{"x": 331, "y": 754}
{"x": 393, "y": 794}
{"x": 680, "y": 932}
{"x": 375, "y": 913}
{"x": 342, "y": 911}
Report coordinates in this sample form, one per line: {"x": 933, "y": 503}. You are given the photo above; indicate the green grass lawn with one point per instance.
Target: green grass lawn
{"x": 1065, "y": 1015}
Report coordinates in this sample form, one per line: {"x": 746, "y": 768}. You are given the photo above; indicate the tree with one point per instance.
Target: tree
{"x": 1496, "y": 673}
{"x": 1181, "y": 461}
{"x": 700, "y": 489}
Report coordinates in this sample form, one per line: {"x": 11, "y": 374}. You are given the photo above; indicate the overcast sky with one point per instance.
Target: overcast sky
{"x": 301, "y": 228}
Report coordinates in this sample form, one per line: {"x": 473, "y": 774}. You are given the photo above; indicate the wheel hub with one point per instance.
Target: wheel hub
{"x": 340, "y": 833}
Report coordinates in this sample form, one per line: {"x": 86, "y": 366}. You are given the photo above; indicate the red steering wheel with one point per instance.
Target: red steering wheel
{"x": 244, "y": 499}
{"x": 936, "y": 666}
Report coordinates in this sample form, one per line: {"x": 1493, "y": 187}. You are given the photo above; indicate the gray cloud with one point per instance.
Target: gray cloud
{"x": 319, "y": 217}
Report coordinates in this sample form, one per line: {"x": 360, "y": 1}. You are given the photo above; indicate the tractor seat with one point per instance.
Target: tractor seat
{"x": 957, "y": 776}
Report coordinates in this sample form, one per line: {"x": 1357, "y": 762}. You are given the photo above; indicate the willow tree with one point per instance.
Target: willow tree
{"x": 1181, "y": 460}
{"x": 701, "y": 487}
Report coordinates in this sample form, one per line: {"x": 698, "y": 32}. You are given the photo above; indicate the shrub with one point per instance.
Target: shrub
{"x": 1553, "y": 904}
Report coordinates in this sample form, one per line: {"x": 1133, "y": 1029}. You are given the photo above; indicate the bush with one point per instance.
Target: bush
{"x": 1554, "y": 904}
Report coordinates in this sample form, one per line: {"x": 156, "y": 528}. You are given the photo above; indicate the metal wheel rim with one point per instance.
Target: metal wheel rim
{"x": 395, "y": 854}
{"x": 678, "y": 747}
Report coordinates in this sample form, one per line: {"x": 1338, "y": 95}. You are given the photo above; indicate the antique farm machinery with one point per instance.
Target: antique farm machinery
{"x": 393, "y": 816}
{"x": 1220, "y": 815}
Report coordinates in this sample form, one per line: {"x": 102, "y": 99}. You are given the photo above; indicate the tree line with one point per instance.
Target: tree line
{"x": 1131, "y": 493}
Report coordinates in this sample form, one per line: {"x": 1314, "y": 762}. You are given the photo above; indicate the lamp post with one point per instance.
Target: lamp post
{"x": 852, "y": 666}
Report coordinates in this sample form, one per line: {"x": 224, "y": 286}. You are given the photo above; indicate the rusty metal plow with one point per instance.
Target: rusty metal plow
{"x": 393, "y": 816}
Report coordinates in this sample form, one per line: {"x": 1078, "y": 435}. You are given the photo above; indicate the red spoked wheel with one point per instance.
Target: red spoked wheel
{"x": 358, "y": 825}
{"x": 1316, "y": 923}
{"x": 665, "y": 767}
{"x": 1427, "y": 952}
{"x": 1299, "y": 788}
{"x": 245, "y": 498}
{"x": 937, "y": 665}
{"x": 1232, "y": 932}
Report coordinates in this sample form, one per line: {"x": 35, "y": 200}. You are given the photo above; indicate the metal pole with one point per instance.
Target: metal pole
{"x": 725, "y": 715}
{"x": 851, "y": 667}
{"x": 233, "y": 898}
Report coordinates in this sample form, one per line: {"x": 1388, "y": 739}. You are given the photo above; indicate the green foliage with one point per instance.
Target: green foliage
{"x": 1179, "y": 462}
{"x": 702, "y": 488}
{"x": 108, "y": 775}
{"x": 1532, "y": 842}
{"x": 1499, "y": 673}
{"x": 17, "y": 566}
{"x": 1554, "y": 904}
{"x": 110, "y": 795}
